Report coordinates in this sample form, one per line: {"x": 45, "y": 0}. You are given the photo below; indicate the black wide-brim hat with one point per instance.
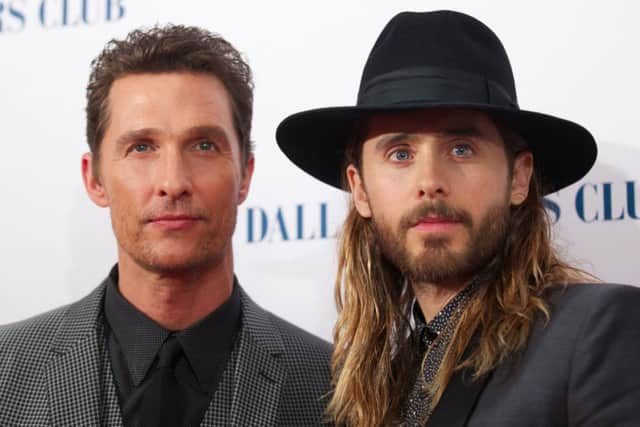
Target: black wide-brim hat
{"x": 430, "y": 60}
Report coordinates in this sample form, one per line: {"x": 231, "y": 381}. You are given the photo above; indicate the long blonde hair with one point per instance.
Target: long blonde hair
{"x": 374, "y": 362}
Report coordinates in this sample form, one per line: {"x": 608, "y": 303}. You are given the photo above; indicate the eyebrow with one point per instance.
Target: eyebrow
{"x": 449, "y": 132}
{"x": 214, "y": 132}
{"x": 136, "y": 135}
{"x": 391, "y": 139}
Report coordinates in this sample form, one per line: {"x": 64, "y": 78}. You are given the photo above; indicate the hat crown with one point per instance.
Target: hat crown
{"x": 446, "y": 45}
{"x": 437, "y": 60}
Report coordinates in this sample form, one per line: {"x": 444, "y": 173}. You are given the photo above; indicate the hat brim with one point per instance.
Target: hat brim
{"x": 315, "y": 140}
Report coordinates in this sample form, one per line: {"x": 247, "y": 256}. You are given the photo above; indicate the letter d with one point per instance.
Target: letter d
{"x": 251, "y": 225}
{"x": 115, "y": 10}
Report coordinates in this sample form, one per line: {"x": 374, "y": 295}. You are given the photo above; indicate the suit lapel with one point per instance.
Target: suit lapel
{"x": 74, "y": 371}
{"x": 458, "y": 400}
{"x": 110, "y": 414}
{"x": 461, "y": 395}
{"x": 259, "y": 374}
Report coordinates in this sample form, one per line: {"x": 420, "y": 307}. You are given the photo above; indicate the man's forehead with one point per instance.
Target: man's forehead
{"x": 169, "y": 102}
{"x": 442, "y": 121}
{"x": 203, "y": 88}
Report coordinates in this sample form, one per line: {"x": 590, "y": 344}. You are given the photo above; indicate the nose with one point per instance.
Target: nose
{"x": 174, "y": 175}
{"x": 431, "y": 175}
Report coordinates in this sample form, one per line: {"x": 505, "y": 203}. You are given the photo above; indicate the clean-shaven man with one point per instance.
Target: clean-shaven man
{"x": 169, "y": 338}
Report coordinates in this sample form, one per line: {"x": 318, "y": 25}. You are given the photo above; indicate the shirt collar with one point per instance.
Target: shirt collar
{"x": 206, "y": 344}
{"x": 440, "y": 320}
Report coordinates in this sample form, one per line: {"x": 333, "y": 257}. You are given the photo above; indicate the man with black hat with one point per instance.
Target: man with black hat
{"x": 454, "y": 308}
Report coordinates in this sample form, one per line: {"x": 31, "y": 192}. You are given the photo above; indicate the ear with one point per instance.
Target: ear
{"x": 92, "y": 185}
{"x": 521, "y": 178}
{"x": 358, "y": 193}
{"x": 243, "y": 192}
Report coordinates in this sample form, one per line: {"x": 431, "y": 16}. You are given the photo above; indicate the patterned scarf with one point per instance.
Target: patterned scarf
{"x": 434, "y": 338}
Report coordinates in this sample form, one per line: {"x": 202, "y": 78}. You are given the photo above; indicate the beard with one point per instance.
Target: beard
{"x": 436, "y": 262}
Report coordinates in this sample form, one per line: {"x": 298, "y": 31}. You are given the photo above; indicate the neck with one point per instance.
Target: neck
{"x": 433, "y": 297}
{"x": 176, "y": 300}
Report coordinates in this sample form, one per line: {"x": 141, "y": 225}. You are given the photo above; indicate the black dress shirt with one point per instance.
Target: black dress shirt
{"x": 133, "y": 341}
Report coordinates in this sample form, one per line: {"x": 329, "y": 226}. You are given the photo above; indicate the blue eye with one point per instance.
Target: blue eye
{"x": 461, "y": 150}
{"x": 401, "y": 155}
{"x": 205, "y": 145}
{"x": 141, "y": 148}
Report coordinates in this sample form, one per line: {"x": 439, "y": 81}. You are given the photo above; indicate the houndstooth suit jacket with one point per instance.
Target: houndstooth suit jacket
{"x": 55, "y": 371}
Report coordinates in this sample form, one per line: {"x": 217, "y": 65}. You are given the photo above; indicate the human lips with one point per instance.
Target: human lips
{"x": 434, "y": 223}
{"x": 173, "y": 221}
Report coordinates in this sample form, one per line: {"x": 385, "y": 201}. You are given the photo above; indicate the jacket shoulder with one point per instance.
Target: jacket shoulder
{"x": 581, "y": 292}
{"x": 585, "y": 300}
{"x": 583, "y": 311}
{"x": 27, "y": 343}
{"x": 306, "y": 391}
{"x": 304, "y": 358}
{"x": 25, "y": 349}
{"x": 603, "y": 375}
{"x": 279, "y": 335}
{"x": 578, "y": 368}
{"x": 34, "y": 332}
{"x": 296, "y": 338}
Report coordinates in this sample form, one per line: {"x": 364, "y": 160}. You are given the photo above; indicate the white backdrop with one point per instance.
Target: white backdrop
{"x": 574, "y": 59}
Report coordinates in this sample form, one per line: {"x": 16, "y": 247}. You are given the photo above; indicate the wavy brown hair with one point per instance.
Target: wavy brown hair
{"x": 374, "y": 362}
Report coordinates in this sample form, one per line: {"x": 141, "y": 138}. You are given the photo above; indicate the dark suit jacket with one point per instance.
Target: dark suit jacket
{"x": 55, "y": 371}
{"x": 581, "y": 369}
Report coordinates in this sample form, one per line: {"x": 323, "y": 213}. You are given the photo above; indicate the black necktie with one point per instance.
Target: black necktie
{"x": 164, "y": 402}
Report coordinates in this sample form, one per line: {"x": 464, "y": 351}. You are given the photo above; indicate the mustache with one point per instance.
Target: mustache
{"x": 439, "y": 209}
{"x": 174, "y": 207}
